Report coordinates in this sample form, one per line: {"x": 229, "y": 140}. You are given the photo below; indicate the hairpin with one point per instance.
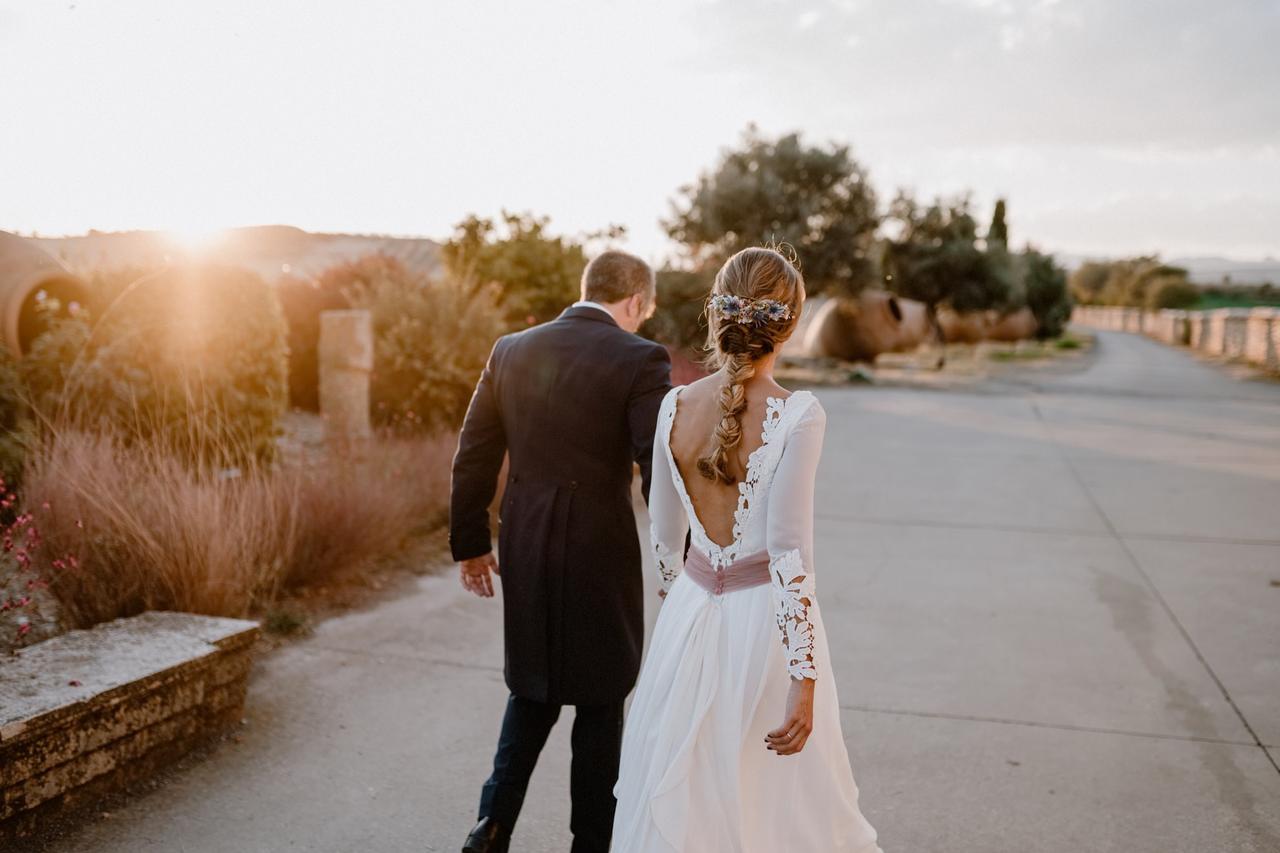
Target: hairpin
{"x": 749, "y": 311}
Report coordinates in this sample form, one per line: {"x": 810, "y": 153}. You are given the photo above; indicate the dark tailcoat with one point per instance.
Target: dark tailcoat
{"x": 575, "y": 403}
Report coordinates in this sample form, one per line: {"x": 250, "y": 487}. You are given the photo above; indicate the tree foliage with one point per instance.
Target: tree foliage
{"x": 680, "y": 320}
{"x": 1172, "y": 292}
{"x": 935, "y": 257}
{"x": 536, "y": 275}
{"x": 1135, "y": 282}
{"x": 1088, "y": 280}
{"x": 1044, "y": 289}
{"x": 998, "y": 233}
{"x": 432, "y": 336}
{"x": 764, "y": 191}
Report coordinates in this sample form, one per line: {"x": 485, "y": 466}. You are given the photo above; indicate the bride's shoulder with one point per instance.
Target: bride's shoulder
{"x": 807, "y": 408}
{"x": 695, "y": 392}
{"x": 668, "y": 405}
{"x": 801, "y": 399}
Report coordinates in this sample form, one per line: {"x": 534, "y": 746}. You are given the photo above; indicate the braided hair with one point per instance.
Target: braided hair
{"x": 753, "y": 308}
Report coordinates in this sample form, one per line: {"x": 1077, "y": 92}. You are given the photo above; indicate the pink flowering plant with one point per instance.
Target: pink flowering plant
{"x": 21, "y": 580}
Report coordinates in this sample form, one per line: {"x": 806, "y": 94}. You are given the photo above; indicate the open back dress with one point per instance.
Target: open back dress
{"x": 734, "y": 628}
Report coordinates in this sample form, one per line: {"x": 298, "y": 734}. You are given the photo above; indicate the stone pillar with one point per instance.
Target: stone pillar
{"x": 346, "y": 360}
{"x": 1199, "y": 329}
{"x": 1180, "y": 327}
{"x": 1156, "y": 327}
{"x": 1262, "y": 338}
{"x": 1214, "y": 331}
{"x": 1132, "y": 321}
{"x": 1234, "y": 326}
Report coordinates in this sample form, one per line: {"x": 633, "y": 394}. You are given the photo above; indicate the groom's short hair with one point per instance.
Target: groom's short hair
{"x": 614, "y": 276}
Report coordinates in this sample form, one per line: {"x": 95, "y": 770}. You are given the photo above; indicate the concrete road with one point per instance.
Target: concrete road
{"x": 1054, "y": 606}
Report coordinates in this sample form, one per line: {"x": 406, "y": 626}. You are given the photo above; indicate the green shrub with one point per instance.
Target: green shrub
{"x": 46, "y": 368}
{"x": 192, "y": 356}
{"x": 286, "y": 622}
{"x": 1132, "y": 282}
{"x": 432, "y": 337}
{"x": 1088, "y": 280}
{"x": 535, "y": 275}
{"x": 1045, "y": 290}
{"x": 1238, "y": 296}
{"x": 1172, "y": 292}
{"x": 12, "y": 418}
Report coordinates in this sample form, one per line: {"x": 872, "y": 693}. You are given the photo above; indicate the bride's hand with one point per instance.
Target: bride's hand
{"x": 790, "y": 737}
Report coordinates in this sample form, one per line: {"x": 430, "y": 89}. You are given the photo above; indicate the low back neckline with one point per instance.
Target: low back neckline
{"x": 722, "y": 555}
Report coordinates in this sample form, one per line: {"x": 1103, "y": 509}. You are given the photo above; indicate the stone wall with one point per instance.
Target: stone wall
{"x": 86, "y": 713}
{"x": 1249, "y": 334}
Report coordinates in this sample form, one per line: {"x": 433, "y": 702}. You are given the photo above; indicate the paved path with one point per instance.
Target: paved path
{"x": 1055, "y": 621}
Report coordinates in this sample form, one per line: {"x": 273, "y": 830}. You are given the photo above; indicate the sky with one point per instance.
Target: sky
{"x": 1112, "y": 127}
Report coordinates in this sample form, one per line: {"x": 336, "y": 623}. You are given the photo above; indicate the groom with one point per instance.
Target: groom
{"x": 574, "y": 402}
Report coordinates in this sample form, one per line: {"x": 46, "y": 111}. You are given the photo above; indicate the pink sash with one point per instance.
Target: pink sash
{"x": 743, "y": 573}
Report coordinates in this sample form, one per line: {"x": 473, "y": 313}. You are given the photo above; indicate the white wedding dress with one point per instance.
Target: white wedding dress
{"x": 696, "y": 776}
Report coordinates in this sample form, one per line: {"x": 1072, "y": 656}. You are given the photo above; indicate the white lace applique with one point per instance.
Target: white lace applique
{"x": 793, "y": 594}
{"x": 668, "y": 559}
{"x": 747, "y": 487}
{"x": 669, "y": 564}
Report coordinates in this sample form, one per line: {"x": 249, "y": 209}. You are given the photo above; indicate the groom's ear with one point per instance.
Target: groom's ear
{"x": 638, "y": 301}
{"x": 645, "y": 305}
{"x": 649, "y": 304}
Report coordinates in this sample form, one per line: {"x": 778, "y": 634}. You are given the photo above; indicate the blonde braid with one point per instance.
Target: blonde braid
{"x": 756, "y": 273}
{"x": 728, "y": 432}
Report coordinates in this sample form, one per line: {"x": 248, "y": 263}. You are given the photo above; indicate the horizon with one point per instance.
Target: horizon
{"x": 402, "y": 120}
{"x": 203, "y": 237}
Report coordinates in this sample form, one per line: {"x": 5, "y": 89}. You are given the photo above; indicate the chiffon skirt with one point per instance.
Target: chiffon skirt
{"x": 696, "y": 776}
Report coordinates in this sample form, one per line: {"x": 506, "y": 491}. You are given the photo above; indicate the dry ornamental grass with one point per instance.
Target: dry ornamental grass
{"x": 150, "y": 532}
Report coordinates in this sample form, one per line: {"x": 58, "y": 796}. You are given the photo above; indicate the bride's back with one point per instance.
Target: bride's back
{"x": 697, "y": 414}
{"x": 718, "y": 421}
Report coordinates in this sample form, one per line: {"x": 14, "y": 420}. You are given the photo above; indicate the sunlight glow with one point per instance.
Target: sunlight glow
{"x": 403, "y": 117}
{"x": 196, "y": 239}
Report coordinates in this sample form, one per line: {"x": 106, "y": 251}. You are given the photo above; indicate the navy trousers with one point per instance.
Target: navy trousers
{"x": 597, "y": 745}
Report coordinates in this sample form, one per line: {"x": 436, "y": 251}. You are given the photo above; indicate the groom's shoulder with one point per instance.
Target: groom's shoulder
{"x": 645, "y": 348}
{"x": 605, "y": 339}
{"x": 649, "y": 358}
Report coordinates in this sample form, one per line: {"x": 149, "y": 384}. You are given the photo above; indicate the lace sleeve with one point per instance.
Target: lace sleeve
{"x": 790, "y": 539}
{"x": 668, "y": 523}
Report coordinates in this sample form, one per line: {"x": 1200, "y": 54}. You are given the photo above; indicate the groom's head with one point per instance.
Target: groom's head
{"x": 622, "y": 283}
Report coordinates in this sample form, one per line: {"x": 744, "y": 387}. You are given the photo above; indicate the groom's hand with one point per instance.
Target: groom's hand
{"x": 475, "y": 574}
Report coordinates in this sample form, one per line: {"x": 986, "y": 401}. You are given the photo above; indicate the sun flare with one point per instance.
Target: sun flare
{"x": 196, "y": 238}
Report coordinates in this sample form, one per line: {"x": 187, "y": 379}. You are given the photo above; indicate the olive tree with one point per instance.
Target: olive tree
{"x": 768, "y": 191}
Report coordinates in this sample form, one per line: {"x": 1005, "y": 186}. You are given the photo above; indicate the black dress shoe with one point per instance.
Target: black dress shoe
{"x": 489, "y": 836}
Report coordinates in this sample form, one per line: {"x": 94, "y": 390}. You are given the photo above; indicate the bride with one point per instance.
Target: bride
{"x": 733, "y": 741}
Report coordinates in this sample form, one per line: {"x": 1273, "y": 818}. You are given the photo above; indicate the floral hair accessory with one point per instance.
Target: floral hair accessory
{"x": 749, "y": 312}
